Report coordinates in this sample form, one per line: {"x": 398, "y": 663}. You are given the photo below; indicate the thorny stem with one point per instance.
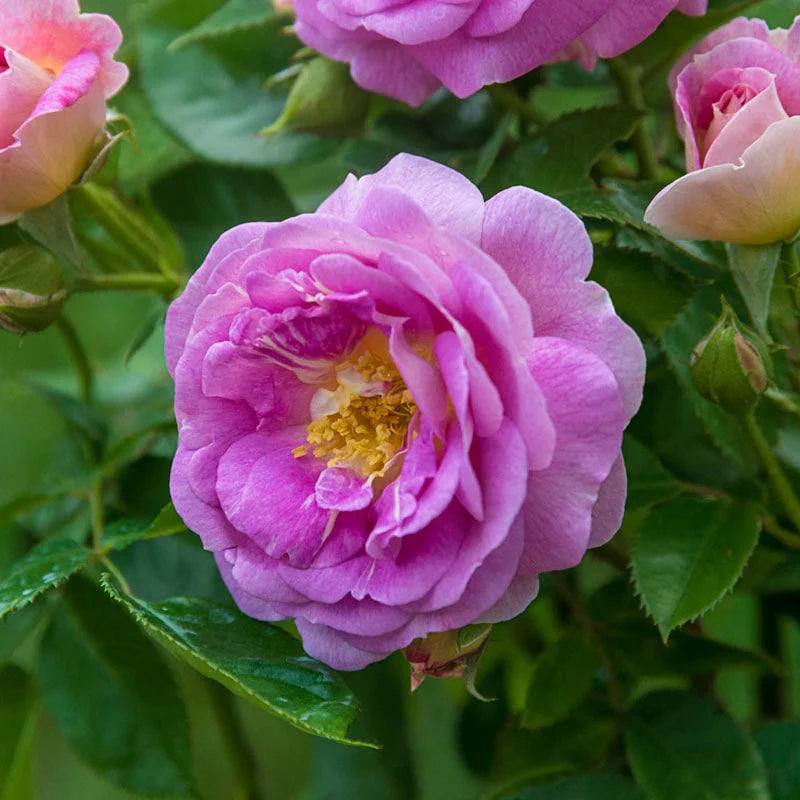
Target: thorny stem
{"x": 777, "y": 478}
{"x": 141, "y": 281}
{"x": 79, "y": 357}
{"x": 631, "y": 92}
{"x": 96, "y": 512}
{"x": 790, "y": 539}
{"x": 508, "y": 98}
{"x": 591, "y": 629}
{"x": 233, "y": 736}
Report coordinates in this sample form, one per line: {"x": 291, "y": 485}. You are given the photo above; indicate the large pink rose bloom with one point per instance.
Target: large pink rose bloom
{"x": 396, "y": 412}
{"x": 409, "y": 48}
{"x": 737, "y": 98}
{"x": 56, "y": 71}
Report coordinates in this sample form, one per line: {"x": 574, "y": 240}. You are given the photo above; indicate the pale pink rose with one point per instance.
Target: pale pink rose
{"x": 56, "y": 72}
{"x": 737, "y": 102}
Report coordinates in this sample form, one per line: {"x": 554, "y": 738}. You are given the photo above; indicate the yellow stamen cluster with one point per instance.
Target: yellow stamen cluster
{"x": 366, "y": 432}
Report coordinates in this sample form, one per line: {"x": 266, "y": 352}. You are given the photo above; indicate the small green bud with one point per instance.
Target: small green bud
{"x": 31, "y": 289}
{"x": 731, "y": 366}
{"x": 446, "y": 655}
{"x": 323, "y": 99}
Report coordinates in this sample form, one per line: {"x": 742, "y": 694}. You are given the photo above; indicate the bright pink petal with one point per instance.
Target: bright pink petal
{"x": 583, "y": 396}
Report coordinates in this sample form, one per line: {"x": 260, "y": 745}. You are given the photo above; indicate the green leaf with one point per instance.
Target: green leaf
{"x": 649, "y": 482}
{"x": 113, "y": 698}
{"x": 559, "y": 157}
{"x": 678, "y": 341}
{"x": 649, "y": 301}
{"x": 753, "y": 268}
{"x": 44, "y": 567}
{"x": 235, "y": 15}
{"x": 554, "y": 692}
{"x": 122, "y": 533}
{"x": 583, "y": 787}
{"x": 201, "y": 201}
{"x": 689, "y": 553}
{"x": 779, "y": 744}
{"x": 681, "y": 746}
{"x": 257, "y": 661}
{"x": 51, "y": 226}
{"x": 150, "y": 151}
{"x": 211, "y": 94}
{"x": 17, "y": 727}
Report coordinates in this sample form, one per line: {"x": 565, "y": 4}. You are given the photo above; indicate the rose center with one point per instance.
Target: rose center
{"x": 734, "y": 99}
{"x": 3, "y": 60}
{"x": 363, "y": 423}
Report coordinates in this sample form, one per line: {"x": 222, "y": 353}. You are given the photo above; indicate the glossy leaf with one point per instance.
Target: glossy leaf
{"x": 112, "y": 696}
{"x": 44, "y": 567}
{"x": 256, "y": 660}
{"x": 649, "y": 482}
{"x": 559, "y": 157}
{"x": 232, "y": 16}
{"x": 212, "y": 97}
{"x": 681, "y": 746}
{"x": 554, "y": 692}
{"x": 689, "y": 553}
{"x": 753, "y": 268}
{"x": 779, "y": 744}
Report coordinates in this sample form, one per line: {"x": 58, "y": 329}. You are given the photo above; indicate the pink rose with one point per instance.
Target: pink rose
{"x": 395, "y": 412}
{"x": 56, "y": 71}
{"x": 408, "y": 48}
{"x": 737, "y": 98}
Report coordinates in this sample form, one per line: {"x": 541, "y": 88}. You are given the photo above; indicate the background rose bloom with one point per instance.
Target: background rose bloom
{"x": 737, "y": 98}
{"x": 395, "y": 412}
{"x": 408, "y": 49}
{"x": 56, "y": 71}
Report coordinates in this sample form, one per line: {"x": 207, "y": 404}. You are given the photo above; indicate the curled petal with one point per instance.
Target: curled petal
{"x": 752, "y": 202}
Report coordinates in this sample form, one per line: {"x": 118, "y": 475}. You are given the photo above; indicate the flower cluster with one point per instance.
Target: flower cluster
{"x": 396, "y": 412}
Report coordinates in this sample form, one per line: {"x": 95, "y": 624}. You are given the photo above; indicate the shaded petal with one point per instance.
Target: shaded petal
{"x": 268, "y": 494}
{"x": 232, "y": 248}
{"x": 610, "y": 506}
{"x": 584, "y": 403}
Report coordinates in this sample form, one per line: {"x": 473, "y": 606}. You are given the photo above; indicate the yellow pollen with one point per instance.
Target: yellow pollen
{"x": 365, "y": 433}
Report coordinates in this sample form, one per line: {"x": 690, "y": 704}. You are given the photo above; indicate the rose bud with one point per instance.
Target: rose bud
{"x": 394, "y": 413}
{"x": 731, "y": 366}
{"x": 31, "y": 289}
{"x": 447, "y": 654}
{"x": 409, "y": 49}
{"x": 737, "y": 102}
{"x": 56, "y": 72}
{"x": 323, "y": 99}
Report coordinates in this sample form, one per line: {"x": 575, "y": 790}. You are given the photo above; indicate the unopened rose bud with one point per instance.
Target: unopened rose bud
{"x": 323, "y": 99}
{"x": 731, "y": 366}
{"x": 31, "y": 289}
{"x": 447, "y": 654}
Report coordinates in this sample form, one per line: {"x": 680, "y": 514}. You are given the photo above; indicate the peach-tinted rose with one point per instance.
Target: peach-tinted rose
{"x": 56, "y": 72}
{"x": 737, "y": 101}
